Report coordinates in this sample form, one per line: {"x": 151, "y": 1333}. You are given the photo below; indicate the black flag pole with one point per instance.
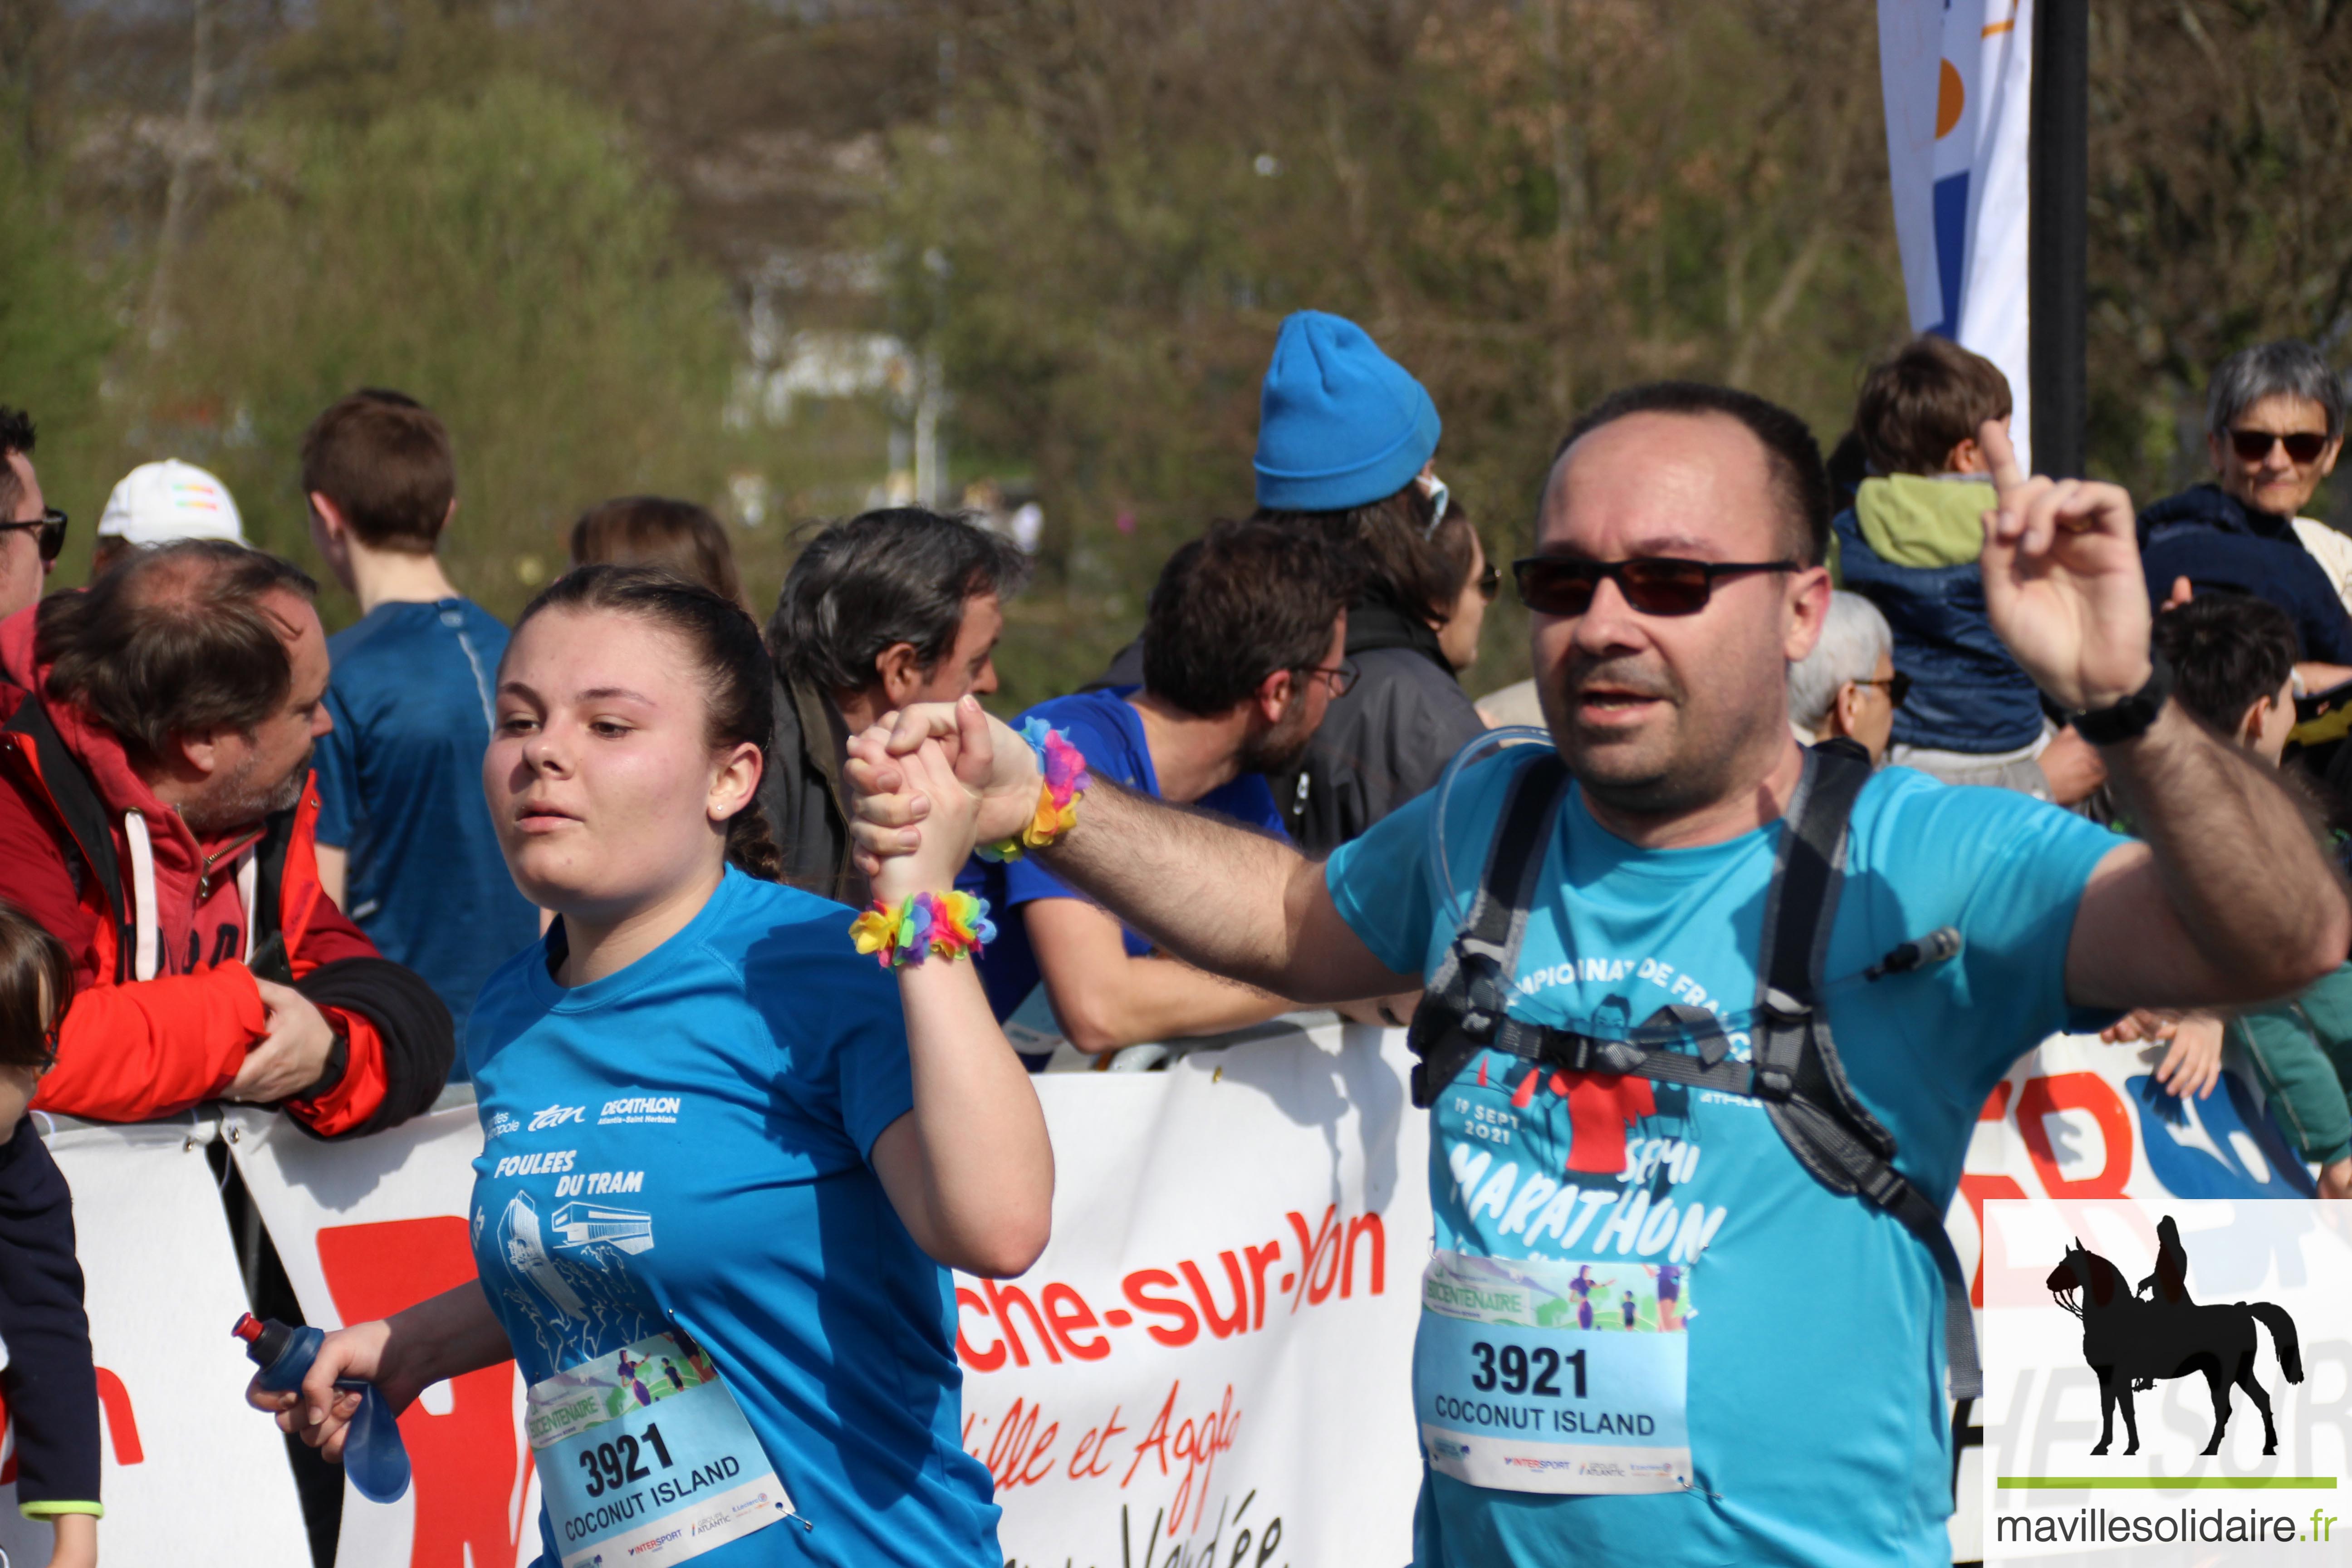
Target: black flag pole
{"x": 2057, "y": 271}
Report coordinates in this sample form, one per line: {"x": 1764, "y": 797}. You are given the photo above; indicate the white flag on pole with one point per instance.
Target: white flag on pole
{"x": 1958, "y": 77}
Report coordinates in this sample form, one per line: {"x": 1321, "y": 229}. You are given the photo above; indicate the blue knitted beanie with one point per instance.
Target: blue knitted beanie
{"x": 1339, "y": 424}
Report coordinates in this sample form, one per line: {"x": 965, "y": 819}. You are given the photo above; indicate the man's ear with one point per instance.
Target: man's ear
{"x": 1809, "y": 611}
{"x": 1274, "y": 695}
{"x": 901, "y": 670}
{"x": 198, "y": 751}
{"x": 2335, "y": 449}
{"x": 2251, "y": 722}
{"x": 330, "y": 516}
{"x": 1845, "y": 713}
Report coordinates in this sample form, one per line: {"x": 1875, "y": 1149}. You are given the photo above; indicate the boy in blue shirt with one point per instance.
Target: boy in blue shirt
{"x": 405, "y": 845}
{"x": 1242, "y": 653}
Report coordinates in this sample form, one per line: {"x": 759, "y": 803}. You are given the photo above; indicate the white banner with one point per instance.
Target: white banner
{"x": 1958, "y": 78}
{"x": 188, "y": 1475}
{"x": 1213, "y": 1362}
{"x": 364, "y": 1229}
{"x": 1216, "y": 1347}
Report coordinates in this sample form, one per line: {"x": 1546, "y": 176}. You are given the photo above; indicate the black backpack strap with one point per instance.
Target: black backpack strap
{"x": 1798, "y": 1075}
{"x": 82, "y": 815}
{"x": 1462, "y": 1007}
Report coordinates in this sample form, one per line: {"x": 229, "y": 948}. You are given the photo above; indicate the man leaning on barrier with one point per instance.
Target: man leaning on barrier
{"x": 1644, "y": 1114}
{"x": 156, "y": 815}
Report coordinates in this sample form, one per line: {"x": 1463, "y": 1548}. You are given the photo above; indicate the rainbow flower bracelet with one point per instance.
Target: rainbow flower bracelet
{"x": 926, "y": 925}
{"x": 1064, "y": 783}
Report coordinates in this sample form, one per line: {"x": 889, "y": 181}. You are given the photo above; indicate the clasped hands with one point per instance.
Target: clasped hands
{"x": 929, "y": 782}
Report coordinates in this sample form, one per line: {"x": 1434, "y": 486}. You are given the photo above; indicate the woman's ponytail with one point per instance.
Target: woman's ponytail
{"x": 750, "y": 848}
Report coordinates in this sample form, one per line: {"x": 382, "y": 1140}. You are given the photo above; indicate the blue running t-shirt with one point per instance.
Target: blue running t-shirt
{"x": 715, "y": 1105}
{"x": 1108, "y": 732}
{"x": 400, "y": 787}
{"x": 1816, "y": 1423}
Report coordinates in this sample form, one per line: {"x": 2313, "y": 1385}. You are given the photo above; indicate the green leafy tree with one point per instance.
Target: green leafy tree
{"x": 502, "y": 256}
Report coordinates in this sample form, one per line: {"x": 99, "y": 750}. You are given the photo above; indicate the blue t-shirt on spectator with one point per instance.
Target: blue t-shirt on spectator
{"x": 400, "y": 787}
{"x": 1108, "y": 732}
{"x": 687, "y": 1143}
{"x": 1815, "y": 1379}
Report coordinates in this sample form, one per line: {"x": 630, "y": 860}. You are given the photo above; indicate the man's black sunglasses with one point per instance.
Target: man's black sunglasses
{"x": 1653, "y": 584}
{"x": 52, "y": 524}
{"x": 2253, "y": 446}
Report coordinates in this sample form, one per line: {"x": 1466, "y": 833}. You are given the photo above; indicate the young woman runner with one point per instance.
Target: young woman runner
{"x": 715, "y": 1134}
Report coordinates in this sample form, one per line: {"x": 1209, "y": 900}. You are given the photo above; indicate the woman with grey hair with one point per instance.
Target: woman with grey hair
{"x": 1848, "y": 685}
{"x": 2273, "y": 428}
{"x": 2274, "y": 425}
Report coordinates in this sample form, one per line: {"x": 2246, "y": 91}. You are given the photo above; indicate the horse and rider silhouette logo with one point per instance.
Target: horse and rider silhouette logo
{"x": 2131, "y": 1339}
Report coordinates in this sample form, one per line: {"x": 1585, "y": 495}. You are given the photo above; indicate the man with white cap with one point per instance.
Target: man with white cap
{"x": 159, "y": 502}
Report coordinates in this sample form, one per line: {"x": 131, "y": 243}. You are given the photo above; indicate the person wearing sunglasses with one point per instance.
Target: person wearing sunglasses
{"x": 1848, "y": 685}
{"x": 44, "y": 1374}
{"x": 2273, "y": 428}
{"x": 32, "y": 531}
{"x": 1677, "y": 572}
{"x": 1244, "y": 653}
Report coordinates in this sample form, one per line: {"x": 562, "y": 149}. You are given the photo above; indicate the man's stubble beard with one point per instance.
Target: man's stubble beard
{"x": 236, "y": 803}
{"x": 1275, "y": 752}
{"x": 1665, "y": 772}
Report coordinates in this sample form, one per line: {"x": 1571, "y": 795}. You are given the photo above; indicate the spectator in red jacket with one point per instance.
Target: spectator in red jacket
{"x": 156, "y": 815}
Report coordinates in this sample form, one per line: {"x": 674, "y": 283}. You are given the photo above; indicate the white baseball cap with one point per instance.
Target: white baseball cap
{"x": 159, "y": 502}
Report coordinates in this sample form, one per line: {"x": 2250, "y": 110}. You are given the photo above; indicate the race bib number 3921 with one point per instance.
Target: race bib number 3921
{"x": 644, "y": 1458}
{"x": 1537, "y": 1377}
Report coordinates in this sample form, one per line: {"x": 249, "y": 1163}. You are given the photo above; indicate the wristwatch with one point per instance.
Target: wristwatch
{"x": 2129, "y": 718}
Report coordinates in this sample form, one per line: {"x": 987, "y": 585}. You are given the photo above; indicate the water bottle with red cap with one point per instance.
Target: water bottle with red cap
{"x": 373, "y": 1454}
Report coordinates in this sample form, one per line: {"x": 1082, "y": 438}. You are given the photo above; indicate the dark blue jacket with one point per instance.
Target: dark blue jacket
{"x": 2216, "y": 541}
{"x": 51, "y": 1386}
{"x": 1967, "y": 693}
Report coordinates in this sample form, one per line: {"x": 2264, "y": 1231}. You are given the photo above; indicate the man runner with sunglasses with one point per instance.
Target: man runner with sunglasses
{"x": 1677, "y": 574}
{"x": 31, "y": 531}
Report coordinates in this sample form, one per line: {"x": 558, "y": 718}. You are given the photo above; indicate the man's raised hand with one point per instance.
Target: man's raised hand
{"x": 988, "y": 758}
{"x": 2062, "y": 580}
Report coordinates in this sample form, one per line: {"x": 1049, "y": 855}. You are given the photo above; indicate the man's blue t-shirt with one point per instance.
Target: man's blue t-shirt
{"x": 1108, "y": 732}
{"x": 718, "y": 1102}
{"x": 400, "y": 787}
{"x": 1815, "y": 1400}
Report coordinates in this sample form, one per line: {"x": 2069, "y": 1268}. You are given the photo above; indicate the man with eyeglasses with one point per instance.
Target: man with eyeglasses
{"x": 1848, "y": 687}
{"x": 33, "y": 531}
{"x": 2273, "y": 428}
{"x": 1678, "y": 574}
{"x": 1242, "y": 652}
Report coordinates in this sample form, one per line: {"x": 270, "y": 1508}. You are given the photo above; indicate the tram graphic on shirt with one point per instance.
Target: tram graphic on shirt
{"x": 567, "y": 1273}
